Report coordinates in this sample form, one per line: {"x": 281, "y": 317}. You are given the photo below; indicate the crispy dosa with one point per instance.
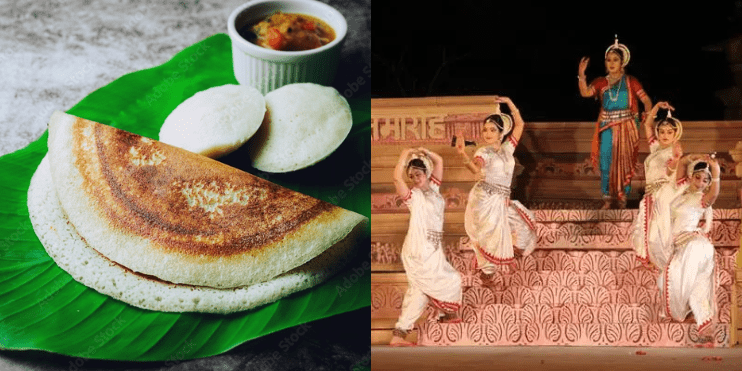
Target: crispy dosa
{"x": 87, "y": 266}
{"x": 183, "y": 218}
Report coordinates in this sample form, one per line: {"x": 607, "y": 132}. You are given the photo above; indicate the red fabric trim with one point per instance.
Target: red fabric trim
{"x": 703, "y": 204}
{"x": 667, "y": 289}
{"x": 480, "y": 158}
{"x": 652, "y": 140}
{"x": 444, "y": 305}
{"x": 641, "y": 94}
{"x": 409, "y": 195}
{"x": 682, "y": 181}
{"x": 435, "y": 180}
{"x": 513, "y": 141}
{"x": 495, "y": 260}
{"x": 705, "y": 324}
{"x": 531, "y": 224}
{"x": 648, "y": 201}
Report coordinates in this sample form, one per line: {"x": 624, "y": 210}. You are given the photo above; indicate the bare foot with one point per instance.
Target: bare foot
{"x": 399, "y": 342}
{"x": 606, "y": 205}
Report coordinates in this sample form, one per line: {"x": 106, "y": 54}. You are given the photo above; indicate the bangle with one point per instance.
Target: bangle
{"x": 466, "y": 160}
{"x": 715, "y": 179}
{"x": 580, "y": 77}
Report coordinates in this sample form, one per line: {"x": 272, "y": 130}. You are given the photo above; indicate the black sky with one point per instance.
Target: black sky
{"x": 530, "y": 50}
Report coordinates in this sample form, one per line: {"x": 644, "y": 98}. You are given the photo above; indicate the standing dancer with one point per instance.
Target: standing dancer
{"x": 430, "y": 277}
{"x": 616, "y": 148}
{"x": 491, "y": 218}
{"x": 652, "y": 226}
{"x": 687, "y": 283}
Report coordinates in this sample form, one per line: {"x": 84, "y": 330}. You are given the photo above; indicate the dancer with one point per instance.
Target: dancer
{"x": 616, "y": 148}
{"x": 491, "y": 218}
{"x": 430, "y": 277}
{"x": 687, "y": 283}
{"x": 651, "y": 227}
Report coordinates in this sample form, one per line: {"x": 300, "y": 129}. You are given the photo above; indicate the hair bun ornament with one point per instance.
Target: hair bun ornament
{"x": 623, "y": 48}
{"x": 420, "y": 155}
{"x": 507, "y": 124}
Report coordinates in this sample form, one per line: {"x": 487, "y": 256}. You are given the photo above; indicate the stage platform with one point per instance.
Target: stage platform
{"x": 568, "y": 358}
{"x": 583, "y": 285}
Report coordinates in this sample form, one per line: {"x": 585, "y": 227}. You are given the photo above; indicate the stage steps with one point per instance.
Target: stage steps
{"x": 581, "y": 286}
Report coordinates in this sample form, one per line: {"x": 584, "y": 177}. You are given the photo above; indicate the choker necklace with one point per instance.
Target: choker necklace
{"x": 610, "y": 90}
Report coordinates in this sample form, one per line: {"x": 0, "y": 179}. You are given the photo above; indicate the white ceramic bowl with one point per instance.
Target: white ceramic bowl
{"x": 268, "y": 69}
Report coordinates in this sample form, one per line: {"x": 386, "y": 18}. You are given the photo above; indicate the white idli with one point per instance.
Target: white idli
{"x": 304, "y": 124}
{"x": 216, "y": 121}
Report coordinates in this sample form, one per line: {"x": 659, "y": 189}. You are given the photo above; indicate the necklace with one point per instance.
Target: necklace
{"x": 610, "y": 90}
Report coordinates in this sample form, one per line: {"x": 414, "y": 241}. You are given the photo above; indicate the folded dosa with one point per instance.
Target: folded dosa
{"x": 183, "y": 218}
{"x": 87, "y": 266}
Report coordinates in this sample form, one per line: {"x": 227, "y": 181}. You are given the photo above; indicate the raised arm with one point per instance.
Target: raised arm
{"x": 672, "y": 165}
{"x": 518, "y": 123}
{"x": 399, "y": 174}
{"x": 710, "y": 197}
{"x": 437, "y": 163}
{"x": 585, "y": 90}
{"x": 473, "y": 166}
{"x": 647, "y": 103}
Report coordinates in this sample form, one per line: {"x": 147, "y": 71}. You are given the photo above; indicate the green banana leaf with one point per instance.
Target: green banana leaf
{"x": 44, "y": 308}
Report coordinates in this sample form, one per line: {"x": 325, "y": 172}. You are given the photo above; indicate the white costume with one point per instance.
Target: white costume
{"x": 494, "y": 222}
{"x": 687, "y": 282}
{"x": 430, "y": 276}
{"x": 651, "y": 230}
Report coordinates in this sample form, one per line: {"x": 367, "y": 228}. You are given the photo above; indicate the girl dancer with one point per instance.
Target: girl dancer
{"x": 652, "y": 228}
{"x": 430, "y": 277}
{"x": 491, "y": 218}
{"x": 687, "y": 283}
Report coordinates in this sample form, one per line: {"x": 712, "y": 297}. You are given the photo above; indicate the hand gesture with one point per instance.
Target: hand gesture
{"x": 677, "y": 150}
{"x": 506, "y": 100}
{"x": 583, "y": 65}
{"x": 715, "y": 170}
{"x": 663, "y": 105}
{"x": 460, "y": 144}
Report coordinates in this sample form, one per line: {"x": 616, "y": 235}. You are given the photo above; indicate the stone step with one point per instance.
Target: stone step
{"x": 587, "y": 295}
{"x": 385, "y": 258}
{"x": 574, "y": 313}
{"x": 573, "y": 334}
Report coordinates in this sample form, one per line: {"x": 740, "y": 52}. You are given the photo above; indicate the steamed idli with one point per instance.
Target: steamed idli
{"x": 216, "y": 121}
{"x": 304, "y": 124}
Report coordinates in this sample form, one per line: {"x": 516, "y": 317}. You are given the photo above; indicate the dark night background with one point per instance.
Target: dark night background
{"x": 530, "y": 51}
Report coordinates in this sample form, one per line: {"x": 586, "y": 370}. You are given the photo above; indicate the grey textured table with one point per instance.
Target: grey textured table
{"x": 54, "y": 53}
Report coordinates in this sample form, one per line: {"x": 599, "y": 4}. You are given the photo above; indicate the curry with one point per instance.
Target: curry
{"x": 289, "y": 32}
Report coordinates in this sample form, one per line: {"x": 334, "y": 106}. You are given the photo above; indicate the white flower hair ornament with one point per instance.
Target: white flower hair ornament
{"x": 623, "y": 48}
{"x": 417, "y": 154}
